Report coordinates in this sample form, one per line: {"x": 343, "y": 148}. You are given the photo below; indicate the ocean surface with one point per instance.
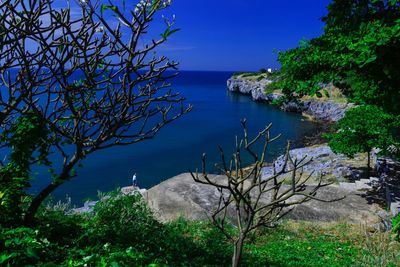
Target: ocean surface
{"x": 215, "y": 120}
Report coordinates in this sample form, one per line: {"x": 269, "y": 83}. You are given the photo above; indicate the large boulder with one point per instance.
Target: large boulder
{"x": 182, "y": 196}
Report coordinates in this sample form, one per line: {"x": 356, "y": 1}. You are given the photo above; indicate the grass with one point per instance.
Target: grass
{"x": 328, "y": 94}
{"x": 309, "y": 244}
{"x": 252, "y": 76}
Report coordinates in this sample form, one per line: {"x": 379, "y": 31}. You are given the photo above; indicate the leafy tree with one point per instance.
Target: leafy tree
{"x": 362, "y": 129}
{"x": 359, "y": 52}
{"x": 24, "y": 137}
{"x": 89, "y": 80}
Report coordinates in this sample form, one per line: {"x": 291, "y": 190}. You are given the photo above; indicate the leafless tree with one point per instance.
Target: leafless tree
{"x": 255, "y": 200}
{"x": 92, "y": 78}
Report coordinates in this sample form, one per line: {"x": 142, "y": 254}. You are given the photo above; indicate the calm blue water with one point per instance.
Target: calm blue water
{"x": 215, "y": 120}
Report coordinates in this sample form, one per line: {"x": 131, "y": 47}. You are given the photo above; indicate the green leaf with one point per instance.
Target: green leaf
{"x": 168, "y": 32}
{"x": 107, "y": 7}
{"x": 155, "y": 5}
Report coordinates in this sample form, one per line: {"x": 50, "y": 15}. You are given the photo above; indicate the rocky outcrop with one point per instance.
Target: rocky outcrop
{"x": 322, "y": 161}
{"x": 182, "y": 196}
{"x": 254, "y": 88}
{"x": 318, "y": 110}
{"x": 325, "y": 111}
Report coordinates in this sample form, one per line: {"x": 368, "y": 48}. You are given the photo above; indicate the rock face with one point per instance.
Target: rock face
{"x": 254, "y": 88}
{"x": 319, "y": 110}
{"x": 334, "y": 167}
{"x": 326, "y": 111}
{"x": 181, "y": 196}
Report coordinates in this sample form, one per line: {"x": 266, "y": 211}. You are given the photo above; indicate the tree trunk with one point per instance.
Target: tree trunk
{"x": 237, "y": 250}
{"x": 29, "y": 219}
{"x": 369, "y": 165}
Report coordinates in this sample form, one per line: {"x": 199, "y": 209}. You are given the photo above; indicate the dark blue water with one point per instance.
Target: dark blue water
{"x": 215, "y": 120}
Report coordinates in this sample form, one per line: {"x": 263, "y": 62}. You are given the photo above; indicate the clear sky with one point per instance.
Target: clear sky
{"x": 233, "y": 35}
{"x": 237, "y": 35}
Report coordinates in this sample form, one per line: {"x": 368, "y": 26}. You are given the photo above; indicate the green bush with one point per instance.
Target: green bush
{"x": 123, "y": 232}
{"x": 396, "y": 226}
{"x": 120, "y": 232}
{"x": 22, "y": 247}
{"x": 280, "y": 101}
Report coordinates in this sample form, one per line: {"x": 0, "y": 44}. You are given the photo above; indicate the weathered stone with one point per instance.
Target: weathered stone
{"x": 348, "y": 186}
{"x": 292, "y": 106}
{"x": 322, "y": 161}
{"x": 363, "y": 185}
{"x": 182, "y": 196}
{"x": 326, "y": 110}
{"x": 254, "y": 88}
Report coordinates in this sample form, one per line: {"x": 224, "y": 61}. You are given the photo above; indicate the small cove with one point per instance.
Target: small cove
{"x": 215, "y": 120}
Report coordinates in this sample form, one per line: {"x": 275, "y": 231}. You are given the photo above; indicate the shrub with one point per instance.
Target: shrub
{"x": 396, "y": 226}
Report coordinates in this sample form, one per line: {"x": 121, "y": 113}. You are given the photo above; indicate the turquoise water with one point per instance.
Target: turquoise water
{"x": 215, "y": 120}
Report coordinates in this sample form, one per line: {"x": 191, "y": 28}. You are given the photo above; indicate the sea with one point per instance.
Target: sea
{"x": 214, "y": 121}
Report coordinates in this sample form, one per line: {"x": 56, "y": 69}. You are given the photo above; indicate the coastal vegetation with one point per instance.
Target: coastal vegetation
{"x": 358, "y": 52}
{"x": 89, "y": 86}
{"x": 123, "y": 232}
{"x": 362, "y": 129}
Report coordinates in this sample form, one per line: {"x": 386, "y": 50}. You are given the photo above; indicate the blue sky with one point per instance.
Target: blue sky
{"x": 237, "y": 35}
{"x": 234, "y": 35}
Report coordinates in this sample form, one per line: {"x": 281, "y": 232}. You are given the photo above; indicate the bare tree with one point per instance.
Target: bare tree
{"x": 95, "y": 81}
{"x": 256, "y": 201}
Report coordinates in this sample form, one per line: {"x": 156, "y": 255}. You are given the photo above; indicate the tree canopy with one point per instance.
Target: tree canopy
{"x": 359, "y": 52}
{"x": 90, "y": 83}
{"x": 364, "y": 128}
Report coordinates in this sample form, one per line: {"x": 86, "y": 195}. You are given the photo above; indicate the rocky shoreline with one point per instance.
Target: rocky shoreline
{"x": 317, "y": 110}
{"x": 182, "y": 196}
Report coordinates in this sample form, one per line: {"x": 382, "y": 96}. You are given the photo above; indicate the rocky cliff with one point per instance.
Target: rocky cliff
{"x": 254, "y": 88}
{"x": 318, "y": 110}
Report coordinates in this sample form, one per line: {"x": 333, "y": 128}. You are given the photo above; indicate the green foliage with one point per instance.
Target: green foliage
{"x": 359, "y": 52}
{"x": 280, "y": 101}
{"x": 123, "y": 232}
{"x": 21, "y": 247}
{"x": 396, "y": 226}
{"x": 28, "y": 141}
{"x": 364, "y": 128}
{"x": 245, "y": 74}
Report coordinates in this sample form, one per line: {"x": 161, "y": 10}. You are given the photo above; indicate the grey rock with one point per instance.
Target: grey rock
{"x": 322, "y": 161}
{"x": 348, "y": 186}
{"x": 182, "y": 196}
{"x": 254, "y": 88}
{"x": 326, "y": 111}
{"x": 363, "y": 185}
{"x": 293, "y": 107}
